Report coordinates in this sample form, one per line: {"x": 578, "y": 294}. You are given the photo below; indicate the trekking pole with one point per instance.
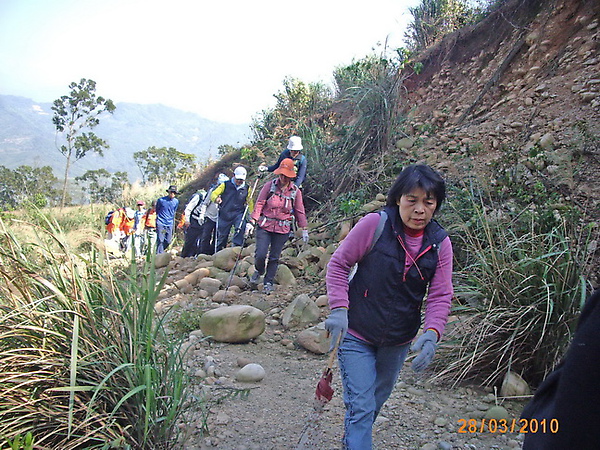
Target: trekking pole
{"x": 242, "y": 222}
{"x": 217, "y": 229}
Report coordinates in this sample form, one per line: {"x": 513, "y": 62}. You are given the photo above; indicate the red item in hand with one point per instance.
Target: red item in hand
{"x": 324, "y": 391}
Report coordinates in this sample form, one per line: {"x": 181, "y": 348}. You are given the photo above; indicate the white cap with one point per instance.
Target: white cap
{"x": 295, "y": 143}
{"x": 239, "y": 173}
{"x": 222, "y": 178}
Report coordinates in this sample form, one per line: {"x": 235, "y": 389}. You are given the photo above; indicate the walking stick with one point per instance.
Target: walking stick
{"x": 323, "y": 394}
{"x": 217, "y": 229}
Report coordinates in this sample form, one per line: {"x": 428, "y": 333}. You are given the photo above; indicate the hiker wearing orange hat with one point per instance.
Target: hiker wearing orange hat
{"x": 293, "y": 151}
{"x": 277, "y": 202}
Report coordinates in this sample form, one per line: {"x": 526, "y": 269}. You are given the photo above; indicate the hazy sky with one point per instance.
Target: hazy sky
{"x": 223, "y": 59}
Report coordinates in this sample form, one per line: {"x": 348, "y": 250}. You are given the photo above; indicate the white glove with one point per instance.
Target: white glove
{"x": 305, "y": 236}
{"x": 262, "y": 168}
{"x": 249, "y": 229}
{"x": 201, "y": 218}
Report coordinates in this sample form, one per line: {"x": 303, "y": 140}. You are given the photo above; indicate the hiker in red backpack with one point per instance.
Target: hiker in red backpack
{"x": 277, "y": 202}
{"x": 376, "y": 313}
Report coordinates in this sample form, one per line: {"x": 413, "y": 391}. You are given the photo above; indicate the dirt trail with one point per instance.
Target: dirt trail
{"x": 419, "y": 415}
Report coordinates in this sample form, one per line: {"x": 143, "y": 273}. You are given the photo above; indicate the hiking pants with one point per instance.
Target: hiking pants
{"x": 267, "y": 241}
{"x": 164, "y": 236}
{"x": 207, "y": 237}
{"x": 192, "y": 237}
{"x": 225, "y": 228}
{"x": 368, "y": 375}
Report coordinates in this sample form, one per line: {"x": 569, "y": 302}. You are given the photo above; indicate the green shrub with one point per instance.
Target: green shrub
{"x": 84, "y": 361}
{"x": 520, "y": 285}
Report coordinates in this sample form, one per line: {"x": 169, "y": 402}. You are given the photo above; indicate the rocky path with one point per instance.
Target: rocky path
{"x": 420, "y": 414}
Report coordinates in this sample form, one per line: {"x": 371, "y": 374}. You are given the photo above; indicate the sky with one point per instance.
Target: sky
{"x": 221, "y": 59}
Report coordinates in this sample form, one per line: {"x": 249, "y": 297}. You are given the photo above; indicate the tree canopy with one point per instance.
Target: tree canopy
{"x": 73, "y": 115}
{"x": 158, "y": 164}
{"x": 101, "y": 185}
{"x": 27, "y": 185}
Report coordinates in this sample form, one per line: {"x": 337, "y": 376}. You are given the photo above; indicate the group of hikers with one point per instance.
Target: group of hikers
{"x": 391, "y": 263}
{"x": 132, "y": 227}
{"x": 210, "y": 215}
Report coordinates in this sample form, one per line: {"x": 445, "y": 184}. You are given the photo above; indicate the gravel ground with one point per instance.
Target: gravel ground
{"x": 420, "y": 414}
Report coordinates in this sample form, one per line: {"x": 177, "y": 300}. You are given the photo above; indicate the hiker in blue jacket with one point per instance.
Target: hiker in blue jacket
{"x": 165, "y": 218}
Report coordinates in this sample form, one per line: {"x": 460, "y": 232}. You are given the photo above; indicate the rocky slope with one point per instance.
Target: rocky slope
{"x": 521, "y": 89}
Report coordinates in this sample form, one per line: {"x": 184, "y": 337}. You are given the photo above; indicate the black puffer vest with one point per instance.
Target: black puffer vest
{"x": 385, "y": 306}
{"x": 233, "y": 201}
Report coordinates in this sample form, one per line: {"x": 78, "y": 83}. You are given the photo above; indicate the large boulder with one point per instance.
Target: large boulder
{"x": 225, "y": 259}
{"x": 284, "y": 276}
{"x": 234, "y": 324}
{"x": 315, "y": 339}
{"x": 300, "y": 312}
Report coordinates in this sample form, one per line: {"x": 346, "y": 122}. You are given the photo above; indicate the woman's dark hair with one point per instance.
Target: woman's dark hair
{"x": 418, "y": 176}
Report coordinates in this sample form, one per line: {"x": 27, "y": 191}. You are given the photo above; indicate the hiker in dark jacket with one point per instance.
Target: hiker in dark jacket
{"x": 377, "y": 313}
{"x": 278, "y": 201}
{"x": 293, "y": 152}
{"x": 193, "y": 225}
{"x": 232, "y": 198}
{"x": 565, "y": 410}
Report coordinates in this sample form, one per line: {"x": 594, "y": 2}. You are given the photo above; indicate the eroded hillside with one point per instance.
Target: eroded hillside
{"x": 522, "y": 85}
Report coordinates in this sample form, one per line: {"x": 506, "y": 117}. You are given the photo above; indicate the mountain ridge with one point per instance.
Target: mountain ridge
{"x": 27, "y": 135}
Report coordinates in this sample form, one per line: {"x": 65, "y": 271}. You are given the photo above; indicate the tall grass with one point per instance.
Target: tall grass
{"x": 84, "y": 361}
{"x": 521, "y": 283}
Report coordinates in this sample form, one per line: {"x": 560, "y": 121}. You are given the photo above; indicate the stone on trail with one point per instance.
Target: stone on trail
{"x": 314, "y": 339}
{"x": 496, "y": 412}
{"x": 195, "y": 276}
{"x": 211, "y": 285}
{"x": 225, "y": 259}
{"x": 513, "y": 385}
{"x": 300, "y": 312}
{"x": 234, "y": 324}
{"x": 225, "y": 297}
{"x": 284, "y": 276}
{"x": 162, "y": 260}
{"x": 250, "y": 373}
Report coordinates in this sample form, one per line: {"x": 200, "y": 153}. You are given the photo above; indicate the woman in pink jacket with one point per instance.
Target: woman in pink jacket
{"x": 404, "y": 260}
{"x": 277, "y": 202}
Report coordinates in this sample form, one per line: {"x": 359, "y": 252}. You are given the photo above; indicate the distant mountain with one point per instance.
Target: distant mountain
{"x": 27, "y": 136}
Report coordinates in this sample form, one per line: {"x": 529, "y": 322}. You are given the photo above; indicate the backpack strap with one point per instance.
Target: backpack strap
{"x": 376, "y": 235}
{"x": 378, "y": 230}
{"x": 292, "y": 195}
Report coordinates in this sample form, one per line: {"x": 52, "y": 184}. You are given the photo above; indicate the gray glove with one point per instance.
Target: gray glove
{"x": 249, "y": 230}
{"x": 426, "y": 345}
{"x": 305, "y": 236}
{"x": 337, "y": 325}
